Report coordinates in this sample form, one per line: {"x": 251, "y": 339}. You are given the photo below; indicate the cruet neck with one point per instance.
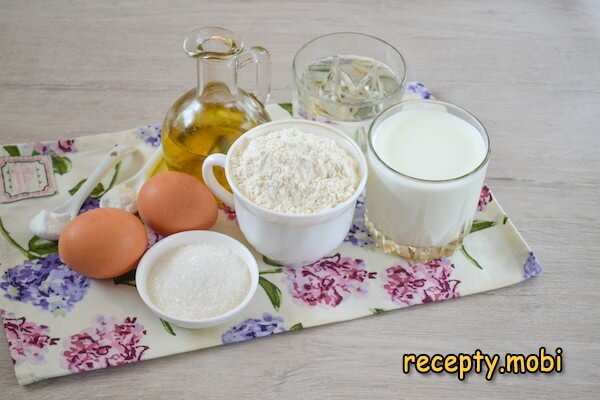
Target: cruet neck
{"x": 216, "y": 51}
{"x": 216, "y": 74}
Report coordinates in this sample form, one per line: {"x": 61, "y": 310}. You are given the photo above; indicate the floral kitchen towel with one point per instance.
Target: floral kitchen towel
{"x": 58, "y": 322}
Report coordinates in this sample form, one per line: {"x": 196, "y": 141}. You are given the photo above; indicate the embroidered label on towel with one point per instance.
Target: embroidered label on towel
{"x": 26, "y": 177}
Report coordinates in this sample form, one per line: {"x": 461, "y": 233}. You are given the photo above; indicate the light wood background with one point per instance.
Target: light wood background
{"x": 528, "y": 69}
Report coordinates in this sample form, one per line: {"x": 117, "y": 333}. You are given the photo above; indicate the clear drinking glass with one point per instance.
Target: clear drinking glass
{"x": 421, "y": 219}
{"x": 346, "y": 79}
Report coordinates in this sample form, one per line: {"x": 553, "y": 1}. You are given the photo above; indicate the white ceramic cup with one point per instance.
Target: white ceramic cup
{"x": 292, "y": 239}
{"x": 172, "y": 242}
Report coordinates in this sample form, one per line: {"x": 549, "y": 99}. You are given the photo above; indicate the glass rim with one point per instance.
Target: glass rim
{"x": 479, "y": 127}
{"x": 391, "y": 95}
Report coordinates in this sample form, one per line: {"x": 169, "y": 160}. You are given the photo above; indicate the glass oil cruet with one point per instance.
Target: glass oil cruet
{"x": 209, "y": 118}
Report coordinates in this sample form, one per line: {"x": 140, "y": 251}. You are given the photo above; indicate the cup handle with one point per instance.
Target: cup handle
{"x": 208, "y": 175}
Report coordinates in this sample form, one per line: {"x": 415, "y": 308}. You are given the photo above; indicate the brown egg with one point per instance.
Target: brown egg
{"x": 103, "y": 243}
{"x": 172, "y": 202}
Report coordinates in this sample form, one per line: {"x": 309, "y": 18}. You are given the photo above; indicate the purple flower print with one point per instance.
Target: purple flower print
{"x": 27, "y": 341}
{"x": 107, "y": 343}
{"x": 153, "y": 237}
{"x": 417, "y": 88}
{"x": 252, "y": 328}
{"x": 150, "y": 134}
{"x": 421, "y": 282}
{"x": 328, "y": 281}
{"x": 89, "y": 204}
{"x": 358, "y": 234}
{"x": 485, "y": 198}
{"x": 46, "y": 283}
{"x": 302, "y": 112}
{"x": 66, "y": 145}
{"x": 531, "y": 267}
{"x": 228, "y": 212}
{"x": 54, "y": 148}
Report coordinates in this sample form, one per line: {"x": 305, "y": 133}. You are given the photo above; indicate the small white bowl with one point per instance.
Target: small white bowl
{"x": 172, "y": 242}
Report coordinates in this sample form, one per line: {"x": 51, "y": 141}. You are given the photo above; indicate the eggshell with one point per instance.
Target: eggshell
{"x": 172, "y": 202}
{"x": 103, "y": 243}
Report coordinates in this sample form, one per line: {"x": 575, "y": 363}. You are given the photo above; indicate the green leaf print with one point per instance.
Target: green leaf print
{"x": 297, "y": 327}
{"x": 97, "y": 192}
{"x": 113, "y": 180}
{"x": 272, "y": 292}
{"x": 167, "y": 327}
{"x": 481, "y": 224}
{"x": 41, "y": 246}
{"x": 29, "y": 255}
{"x": 12, "y": 150}
{"x": 376, "y": 311}
{"x": 127, "y": 278}
{"x": 271, "y": 271}
{"x": 286, "y": 106}
{"x": 273, "y": 263}
{"x": 61, "y": 165}
{"x": 505, "y": 220}
{"x": 468, "y": 257}
{"x": 36, "y": 247}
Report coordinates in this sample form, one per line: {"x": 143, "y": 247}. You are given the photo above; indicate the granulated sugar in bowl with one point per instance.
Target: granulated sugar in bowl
{"x": 197, "y": 279}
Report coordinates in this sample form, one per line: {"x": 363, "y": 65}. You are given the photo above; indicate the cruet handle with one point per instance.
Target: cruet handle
{"x": 261, "y": 57}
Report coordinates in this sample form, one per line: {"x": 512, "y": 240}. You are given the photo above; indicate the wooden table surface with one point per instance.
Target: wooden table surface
{"x": 528, "y": 69}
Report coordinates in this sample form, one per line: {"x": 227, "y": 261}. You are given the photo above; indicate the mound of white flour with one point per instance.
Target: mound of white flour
{"x": 294, "y": 172}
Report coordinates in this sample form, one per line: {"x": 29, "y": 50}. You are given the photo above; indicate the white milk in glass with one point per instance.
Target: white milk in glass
{"x": 426, "y": 170}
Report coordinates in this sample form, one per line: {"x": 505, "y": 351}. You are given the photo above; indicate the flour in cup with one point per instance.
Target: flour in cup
{"x": 294, "y": 172}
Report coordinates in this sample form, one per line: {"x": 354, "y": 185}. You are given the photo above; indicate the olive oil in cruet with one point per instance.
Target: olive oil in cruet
{"x": 210, "y": 117}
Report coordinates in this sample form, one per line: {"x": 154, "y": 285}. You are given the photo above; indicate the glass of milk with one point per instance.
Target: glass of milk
{"x": 427, "y": 162}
